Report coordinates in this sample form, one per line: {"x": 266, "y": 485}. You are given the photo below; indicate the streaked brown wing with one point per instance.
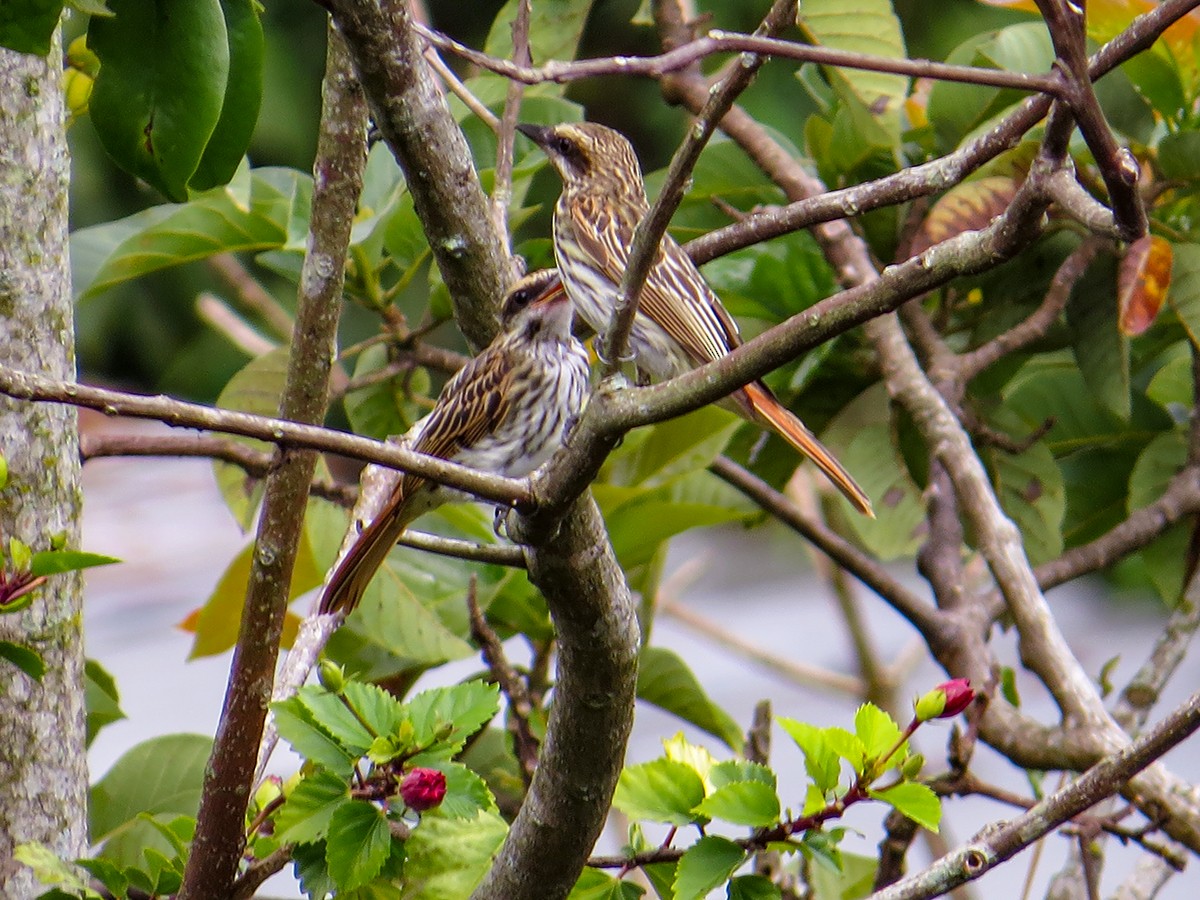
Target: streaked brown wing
{"x": 675, "y": 295}
{"x": 473, "y": 403}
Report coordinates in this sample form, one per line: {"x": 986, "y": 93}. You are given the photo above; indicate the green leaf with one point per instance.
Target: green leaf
{"x": 1179, "y": 156}
{"x": 384, "y": 408}
{"x": 158, "y": 96}
{"x": 734, "y": 771}
{"x": 554, "y": 31}
{"x": 663, "y": 790}
{"x": 243, "y": 94}
{"x": 915, "y": 800}
{"x": 820, "y": 762}
{"x": 255, "y": 388}
{"x": 452, "y": 714}
{"x": 707, "y": 863}
{"x": 1101, "y": 350}
{"x": 304, "y": 818}
{"x": 297, "y": 725}
{"x": 466, "y": 793}
{"x": 673, "y": 448}
{"x": 101, "y": 699}
{"x": 594, "y": 884}
{"x": 24, "y": 658}
{"x": 447, "y": 857}
{"x": 878, "y": 732}
{"x": 161, "y": 776}
{"x": 1031, "y": 490}
{"x": 375, "y": 706}
{"x": 749, "y": 803}
{"x": 27, "y": 26}
{"x": 753, "y": 887}
{"x": 359, "y": 843}
{"x": 847, "y": 746}
{"x": 1167, "y": 555}
{"x": 1184, "y": 292}
{"x": 271, "y": 213}
{"x": 54, "y": 562}
{"x": 867, "y": 26}
{"x": 665, "y": 680}
{"x": 51, "y": 870}
{"x": 853, "y": 876}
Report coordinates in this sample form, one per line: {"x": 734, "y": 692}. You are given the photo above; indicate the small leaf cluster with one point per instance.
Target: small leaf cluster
{"x": 344, "y": 816}
{"x": 687, "y": 786}
{"x": 21, "y": 573}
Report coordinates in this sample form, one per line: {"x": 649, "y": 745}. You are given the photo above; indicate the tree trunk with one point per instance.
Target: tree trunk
{"x": 43, "y": 766}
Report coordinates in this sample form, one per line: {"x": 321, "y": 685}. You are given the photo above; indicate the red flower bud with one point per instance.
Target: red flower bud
{"x": 423, "y": 789}
{"x": 945, "y": 701}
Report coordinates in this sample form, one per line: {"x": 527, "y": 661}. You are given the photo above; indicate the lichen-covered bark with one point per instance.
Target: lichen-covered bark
{"x": 43, "y": 767}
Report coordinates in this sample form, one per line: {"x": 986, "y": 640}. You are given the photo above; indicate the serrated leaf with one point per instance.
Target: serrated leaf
{"x": 452, "y": 714}
{"x": 663, "y": 790}
{"x": 753, "y": 887}
{"x": 374, "y": 706}
{"x": 27, "y": 26}
{"x": 52, "y": 870}
{"x": 733, "y": 771}
{"x": 243, "y": 94}
{"x": 594, "y": 884}
{"x": 696, "y": 757}
{"x": 304, "y": 818}
{"x": 163, "y": 775}
{"x": 359, "y": 844}
{"x": 158, "y": 96}
{"x": 1143, "y": 279}
{"x": 54, "y": 562}
{"x": 749, "y": 803}
{"x": 24, "y": 658}
{"x": 466, "y": 793}
{"x": 706, "y": 864}
{"x": 447, "y": 858}
{"x": 970, "y": 206}
{"x": 820, "y": 762}
{"x": 296, "y": 725}
{"x": 665, "y": 680}
{"x": 878, "y": 732}
{"x": 847, "y": 746}
{"x": 916, "y": 801}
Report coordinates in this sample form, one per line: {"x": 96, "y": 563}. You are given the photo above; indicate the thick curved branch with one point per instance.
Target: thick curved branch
{"x": 590, "y": 719}
{"x": 414, "y": 119}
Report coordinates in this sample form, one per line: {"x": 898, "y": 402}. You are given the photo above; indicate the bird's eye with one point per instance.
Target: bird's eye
{"x": 564, "y": 146}
{"x": 520, "y": 299}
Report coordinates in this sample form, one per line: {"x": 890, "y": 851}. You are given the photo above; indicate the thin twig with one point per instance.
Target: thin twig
{"x": 502, "y": 189}
{"x": 250, "y": 293}
{"x": 717, "y": 41}
{"x": 520, "y": 708}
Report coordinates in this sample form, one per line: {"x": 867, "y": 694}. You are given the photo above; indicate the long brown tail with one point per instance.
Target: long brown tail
{"x": 352, "y": 575}
{"x": 774, "y": 414}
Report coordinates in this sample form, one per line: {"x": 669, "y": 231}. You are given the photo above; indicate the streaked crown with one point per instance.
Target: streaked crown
{"x": 589, "y": 156}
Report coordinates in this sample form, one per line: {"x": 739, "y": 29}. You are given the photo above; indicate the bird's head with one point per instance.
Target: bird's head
{"x": 588, "y": 155}
{"x": 537, "y": 306}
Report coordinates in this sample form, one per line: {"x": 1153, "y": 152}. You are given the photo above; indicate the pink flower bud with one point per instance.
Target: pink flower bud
{"x": 423, "y": 789}
{"x": 945, "y": 701}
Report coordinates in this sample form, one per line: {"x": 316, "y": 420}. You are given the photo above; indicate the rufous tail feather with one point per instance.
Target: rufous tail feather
{"x": 787, "y": 426}
{"x": 350, "y": 579}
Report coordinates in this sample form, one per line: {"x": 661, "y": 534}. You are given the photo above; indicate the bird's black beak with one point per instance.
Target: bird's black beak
{"x": 539, "y": 134}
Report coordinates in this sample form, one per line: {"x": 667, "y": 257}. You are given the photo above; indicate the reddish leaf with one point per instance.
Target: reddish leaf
{"x": 970, "y": 206}
{"x": 1142, "y": 282}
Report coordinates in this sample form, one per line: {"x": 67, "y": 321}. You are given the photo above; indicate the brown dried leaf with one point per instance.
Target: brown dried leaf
{"x": 1142, "y": 281}
{"x": 970, "y": 206}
